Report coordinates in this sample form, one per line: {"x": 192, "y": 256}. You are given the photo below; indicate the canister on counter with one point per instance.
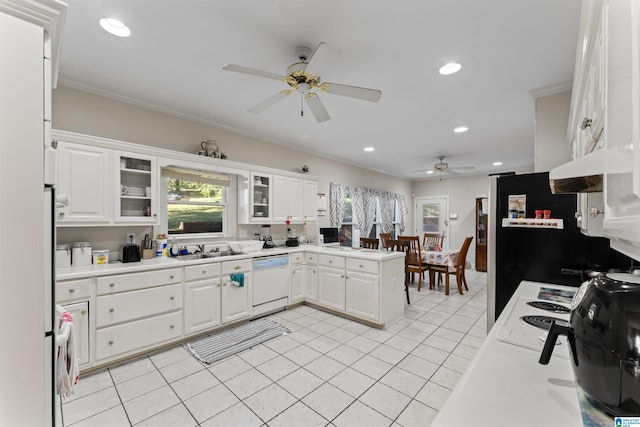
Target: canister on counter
{"x": 63, "y": 256}
{"x": 161, "y": 247}
{"x": 101, "y": 257}
{"x": 81, "y": 254}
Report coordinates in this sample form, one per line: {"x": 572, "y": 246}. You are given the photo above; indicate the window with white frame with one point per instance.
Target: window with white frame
{"x": 196, "y": 202}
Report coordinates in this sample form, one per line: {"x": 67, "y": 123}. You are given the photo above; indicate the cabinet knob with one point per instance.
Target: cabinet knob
{"x": 330, "y": 262}
{"x": 237, "y": 267}
{"x": 71, "y": 290}
{"x": 586, "y": 122}
{"x": 342, "y": 276}
{"x": 172, "y": 298}
{"x": 171, "y": 277}
{"x": 361, "y": 266}
{"x": 83, "y": 312}
{"x": 61, "y": 213}
{"x": 204, "y": 271}
{"x": 171, "y": 326}
{"x": 110, "y": 342}
{"x": 111, "y": 285}
{"x": 155, "y": 215}
{"x": 111, "y": 310}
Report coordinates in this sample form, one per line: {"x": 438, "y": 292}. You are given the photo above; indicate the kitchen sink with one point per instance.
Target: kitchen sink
{"x": 198, "y": 256}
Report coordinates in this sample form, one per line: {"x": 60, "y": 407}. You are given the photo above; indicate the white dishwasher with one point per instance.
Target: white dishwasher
{"x": 270, "y": 284}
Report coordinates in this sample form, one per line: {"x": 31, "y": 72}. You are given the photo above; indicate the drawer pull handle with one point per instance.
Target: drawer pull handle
{"x": 111, "y": 285}
{"x": 171, "y": 298}
{"x": 171, "y": 277}
{"x": 71, "y": 290}
{"x": 204, "y": 271}
{"x": 110, "y": 342}
{"x": 171, "y": 327}
{"x": 111, "y": 310}
{"x": 237, "y": 267}
{"x": 83, "y": 312}
{"x": 330, "y": 262}
{"x": 342, "y": 276}
{"x": 361, "y": 266}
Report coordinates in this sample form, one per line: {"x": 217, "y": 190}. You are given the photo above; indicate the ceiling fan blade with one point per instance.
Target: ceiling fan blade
{"x": 463, "y": 168}
{"x": 317, "y": 107}
{"x": 269, "y": 101}
{"x": 324, "y": 56}
{"x": 363, "y": 93}
{"x": 451, "y": 172}
{"x": 252, "y": 71}
{"x": 423, "y": 170}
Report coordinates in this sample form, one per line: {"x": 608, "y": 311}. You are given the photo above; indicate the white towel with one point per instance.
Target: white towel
{"x": 67, "y": 371}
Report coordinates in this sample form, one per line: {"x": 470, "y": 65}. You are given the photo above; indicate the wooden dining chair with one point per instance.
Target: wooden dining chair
{"x": 368, "y": 243}
{"x": 431, "y": 240}
{"x": 415, "y": 258}
{"x": 384, "y": 239}
{"x": 458, "y": 270}
{"x": 402, "y": 246}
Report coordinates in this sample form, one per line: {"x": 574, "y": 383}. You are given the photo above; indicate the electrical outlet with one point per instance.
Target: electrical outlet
{"x": 130, "y": 237}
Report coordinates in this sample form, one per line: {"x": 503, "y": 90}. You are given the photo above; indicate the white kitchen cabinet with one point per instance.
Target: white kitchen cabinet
{"x": 310, "y": 201}
{"x": 363, "y": 295}
{"x": 135, "y": 195}
{"x": 297, "y": 284}
{"x": 331, "y": 287}
{"x": 84, "y": 177}
{"x": 126, "y": 306}
{"x": 202, "y": 298}
{"x": 260, "y": 197}
{"x": 80, "y": 315}
{"x": 311, "y": 276}
{"x": 236, "y": 300}
{"x": 590, "y": 213}
{"x": 288, "y": 199}
{"x": 622, "y": 125}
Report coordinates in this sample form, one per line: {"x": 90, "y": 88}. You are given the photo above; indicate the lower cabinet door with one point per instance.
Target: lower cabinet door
{"x": 331, "y": 288}
{"x": 80, "y": 315}
{"x": 296, "y": 285}
{"x": 127, "y": 337}
{"x": 363, "y": 295}
{"x": 201, "y": 305}
{"x": 236, "y": 300}
{"x": 311, "y": 282}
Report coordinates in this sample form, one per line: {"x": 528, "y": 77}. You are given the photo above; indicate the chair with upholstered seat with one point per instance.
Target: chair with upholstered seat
{"x": 402, "y": 246}
{"x": 458, "y": 270}
{"x": 384, "y": 239}
{"x": 368, "y": 243}
{"x": 415, "y": 258}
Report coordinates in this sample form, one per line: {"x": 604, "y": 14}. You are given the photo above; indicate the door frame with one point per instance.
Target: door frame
{"x": 416, "y": 217}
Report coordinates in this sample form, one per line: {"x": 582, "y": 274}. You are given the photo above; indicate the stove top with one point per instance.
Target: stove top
{"x": 529, "y": 320}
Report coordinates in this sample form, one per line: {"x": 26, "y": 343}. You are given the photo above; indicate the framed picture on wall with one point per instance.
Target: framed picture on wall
{"x": 517, "y": 205}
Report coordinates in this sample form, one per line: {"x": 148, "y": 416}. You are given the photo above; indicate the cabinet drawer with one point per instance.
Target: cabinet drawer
{"x": 72, "y": 290}
{"x": 362, "y": 265}
{"x": 296, "y": 258}
{"x": 229, "y": 267}
{"x": 131, "y": 282}
{"x": 310, "y": 258}
{"x": 122, "y": 307}
{"x": 131, "y": 336}
{"x": 196, "y": 272}
{"x": 331, "y": 260}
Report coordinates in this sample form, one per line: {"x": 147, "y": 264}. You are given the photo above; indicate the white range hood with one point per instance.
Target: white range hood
{"x": 582, "y": 175}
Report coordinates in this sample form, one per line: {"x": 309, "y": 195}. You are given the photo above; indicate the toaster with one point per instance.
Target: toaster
{"x": 130, "y": 253}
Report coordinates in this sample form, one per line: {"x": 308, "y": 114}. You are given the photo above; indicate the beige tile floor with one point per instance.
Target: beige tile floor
{"x": 327, "y": 371}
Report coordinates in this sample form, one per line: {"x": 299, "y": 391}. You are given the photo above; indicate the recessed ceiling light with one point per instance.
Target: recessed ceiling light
{"x": 429, "y": 172}
{"x": 115, "y": 27}
{"x": 461, "y": 129}
{"x": 369, "y": 149}
{"x": 497, "y": 163}
{"x": 450, "y": 68}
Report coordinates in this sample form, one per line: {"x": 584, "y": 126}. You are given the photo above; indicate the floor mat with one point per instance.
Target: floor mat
{"x": 231, "y": 341}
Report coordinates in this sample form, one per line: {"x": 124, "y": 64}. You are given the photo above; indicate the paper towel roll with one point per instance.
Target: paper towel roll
{"x": 355, "y": 238}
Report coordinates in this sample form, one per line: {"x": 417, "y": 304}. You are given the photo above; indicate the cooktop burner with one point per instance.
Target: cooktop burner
{"x": 549, "y": 306}
{"x": 542, "y": 322}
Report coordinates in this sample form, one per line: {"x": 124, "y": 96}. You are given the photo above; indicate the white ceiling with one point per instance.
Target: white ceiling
{"x": 174, "y": 57}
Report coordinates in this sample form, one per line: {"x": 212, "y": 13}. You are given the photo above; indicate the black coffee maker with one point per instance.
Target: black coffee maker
{"x": 604, "y": 341}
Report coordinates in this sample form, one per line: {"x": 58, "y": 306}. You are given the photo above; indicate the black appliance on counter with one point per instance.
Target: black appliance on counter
{"x": 330, "y": 235}
{"x": 543, "y": 254}
{"x": 604, "y": 341}
{"x": 130, "y": 253}
{"x": 292, "y": 241}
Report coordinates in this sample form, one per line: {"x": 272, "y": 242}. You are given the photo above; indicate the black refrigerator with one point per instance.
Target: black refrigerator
{"x": 542, "y": 254}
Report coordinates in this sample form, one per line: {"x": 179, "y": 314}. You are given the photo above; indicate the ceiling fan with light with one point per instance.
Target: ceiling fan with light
{"x": 442, "y": 167}
{"x": 304, "y": 77}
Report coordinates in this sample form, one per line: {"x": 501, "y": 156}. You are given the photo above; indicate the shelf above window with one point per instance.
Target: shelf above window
{"x": 533, "y": 223}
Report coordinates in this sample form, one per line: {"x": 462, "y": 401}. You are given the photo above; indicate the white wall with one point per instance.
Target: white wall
{"x": 86, "y": 113}
{"x": 462, "y": 192}
{"x": 551, "y": 121}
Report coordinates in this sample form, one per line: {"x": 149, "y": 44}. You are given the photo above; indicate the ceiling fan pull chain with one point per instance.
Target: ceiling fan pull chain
{"x": 301, "y": 106}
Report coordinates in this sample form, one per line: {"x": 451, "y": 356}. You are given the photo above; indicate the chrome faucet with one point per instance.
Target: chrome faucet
{"x": 200, "y": 249}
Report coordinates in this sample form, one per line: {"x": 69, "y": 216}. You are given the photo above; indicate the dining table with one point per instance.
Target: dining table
{"x": 446, "y": 257}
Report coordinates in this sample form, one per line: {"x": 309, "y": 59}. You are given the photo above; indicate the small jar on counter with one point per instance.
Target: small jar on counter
{"x": 81, "y": 254}
{"x": 63, "y": 256}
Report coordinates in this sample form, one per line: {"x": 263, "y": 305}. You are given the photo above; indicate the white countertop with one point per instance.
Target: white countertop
{"x": 68, "y": 273}
{"x": 506, "y": 386}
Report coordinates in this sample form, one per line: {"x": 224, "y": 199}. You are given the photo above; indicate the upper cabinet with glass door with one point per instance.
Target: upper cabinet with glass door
{"x": 136, "y": 200}
{"x": 260, "y": 195}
